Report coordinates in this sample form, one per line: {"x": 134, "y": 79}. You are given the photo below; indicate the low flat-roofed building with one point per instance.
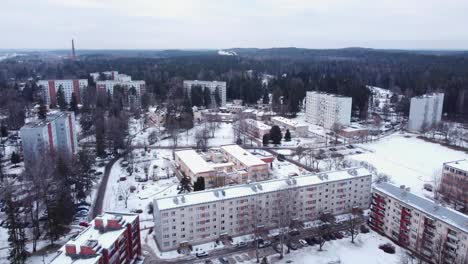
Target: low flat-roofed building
{"x": 296, "y": 128}
{"x": 256, "y": 168}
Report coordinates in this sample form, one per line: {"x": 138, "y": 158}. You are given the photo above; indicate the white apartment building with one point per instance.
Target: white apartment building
{"x": 325, "y": 110}
{"x": 436, "y": 233}
{"x": 204, "y": 216}
{"x": 212, "y": 85}
{"x": 69, "y": 87}
{"x": 295, "y": 127}
{"x": 425, "y": 111}
{"x": 56, "y": 136}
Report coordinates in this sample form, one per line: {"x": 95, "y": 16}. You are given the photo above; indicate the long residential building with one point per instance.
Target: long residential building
{"x": 454, "y": 182}
{"x": 54, "y": 135}
{"x": 323, "y": 109}
{"x": 435, "y": 233}
{"x": 425, "y": 111}
{"x": 211, "y": 85}
{"x": 69, "y": 87}
{"x": 200, "y": 217}
{"x": 111, "y": 238}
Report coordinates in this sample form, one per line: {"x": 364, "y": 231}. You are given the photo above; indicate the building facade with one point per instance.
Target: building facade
{"x": 325, "y": 110}
{"x": 70, "y": 87}
{"x": 212, "y": 85}
{"x": 425, "y": 111}
{"x": 111, "y": 238}
{"x": 204, "y": 216}
{"x": 54, "y": 135}
{"x": 132, "y": 89}
{"x": 454, "y": 182}
{"x": 435, "y": 233}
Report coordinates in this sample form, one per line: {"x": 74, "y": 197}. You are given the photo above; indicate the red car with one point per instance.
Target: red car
{"x": 84, "y": 224}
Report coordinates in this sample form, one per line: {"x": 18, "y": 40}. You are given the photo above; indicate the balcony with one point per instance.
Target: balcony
{"x": 452, "y": 236}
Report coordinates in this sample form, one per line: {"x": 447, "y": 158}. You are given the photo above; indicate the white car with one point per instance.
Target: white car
{"x": 303, "y": 242}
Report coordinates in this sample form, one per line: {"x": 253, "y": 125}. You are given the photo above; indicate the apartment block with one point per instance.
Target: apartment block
{"x": 204, "y": 216}
{"x": 432, "y": 231}
{"x": 296, "y": 128}
{"x": 132, "y": 89}
{"x": 54, "y": 135}
{"x": 212, "y": 85}
{"x": 254, "y": 128}
{"x": 425, "y": 111}
{"x": 110, "y": 238}
{"x": 222, "y": 166}
{"x": 454, "y": 182}
{"x": 325, "y": 110}
{"x": 69, "y": 88}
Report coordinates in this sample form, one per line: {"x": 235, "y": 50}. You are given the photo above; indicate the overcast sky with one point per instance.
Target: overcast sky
{"x": 221, "y": 24}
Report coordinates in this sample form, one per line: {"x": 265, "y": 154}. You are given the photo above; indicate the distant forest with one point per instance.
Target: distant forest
{"x": 342, "y": 71}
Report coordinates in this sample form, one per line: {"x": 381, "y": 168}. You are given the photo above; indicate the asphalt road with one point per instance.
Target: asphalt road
{"x": 98, "y": 204}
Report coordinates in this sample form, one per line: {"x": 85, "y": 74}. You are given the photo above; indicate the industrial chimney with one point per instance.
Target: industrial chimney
{"x": 73, "y": 49}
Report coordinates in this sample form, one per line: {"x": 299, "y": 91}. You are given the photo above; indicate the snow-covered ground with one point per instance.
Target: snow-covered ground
{"x": 408, "y": 160}
{"x": 365, "y": 250}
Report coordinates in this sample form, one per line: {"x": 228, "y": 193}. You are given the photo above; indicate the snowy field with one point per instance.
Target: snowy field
{"x": 407, "y": 159}
{"x": 364, "y": 251}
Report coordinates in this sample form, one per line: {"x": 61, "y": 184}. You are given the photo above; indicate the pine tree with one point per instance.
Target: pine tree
{"x": 3, "y": 130}
{"x": 185, "y": 185}
{"x": 207, "y": 97}
{"x": 42, "y": 111}
{"x": 287, "y": 135}
{"x": 73, "y": 104}
{"x": 199, "y": 184}
{"x": 15, "y": 158}
{"x": 266, "y": 139}
{"x": 16, "y": 235}
{"x": 275, "y": 135}
{"x": 61, "y": 99}
{"x": 196, "y": 95}
{"x": 187, "y": 113}
{"x": 218, "y": 97}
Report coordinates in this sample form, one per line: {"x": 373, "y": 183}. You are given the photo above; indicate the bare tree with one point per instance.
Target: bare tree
{"x": 436, "y": 181}
{"x": 124, "y": 192}
{"x": 336, "y": 129}
{"x": 201, "y": 137}
{"x": 353, "y": 222}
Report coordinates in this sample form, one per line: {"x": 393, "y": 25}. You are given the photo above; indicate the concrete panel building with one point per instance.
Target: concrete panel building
{"x": 425, "y": 111}
{"x": 205, "y": 216}
{"x": 212, "y": 85}
{"x": 454, "y": 183}
{"x": 55, "y": 136}
{"x": 133, "y": 89}
{"x": 69, "y": 87}
{"x": 432, "y": 231}
{"x": 325, "y": 110}
{"x": 296, "y": 128}
{"x": 110, "y": 238}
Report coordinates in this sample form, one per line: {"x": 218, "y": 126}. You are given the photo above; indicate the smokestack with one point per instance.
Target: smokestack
{"x": 73, "y": 49}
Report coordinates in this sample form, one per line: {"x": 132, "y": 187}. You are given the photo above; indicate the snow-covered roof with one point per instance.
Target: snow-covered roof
{"x": 425, "y": 205}
{"x": 257, "y": 124}
{"x": 232, "y": 192}
{"x": 242, "y": 155}
{"x": 193, "y": 161}
{"x": 458, "y": 164}
{"x": 288, "y": 121}
{"x": 104, "y": 239}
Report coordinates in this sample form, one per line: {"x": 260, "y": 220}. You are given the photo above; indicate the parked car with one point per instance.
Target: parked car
{"x": 264, "y": 244}
{"x": 201, "y": 254}
{"x": 241, "y": 244}
{"x": 303, "y": 242}
{"x": 310, "y": 240}
{"x": 326, "y": 237}
{"x": 83, "y": 224}
{"x": 294, "y": 232}
{"x": 338, "y": 235}
{"x": 428, "y": 187}
{"x": 332, "y": 236}
{"x": 223, "y": 260}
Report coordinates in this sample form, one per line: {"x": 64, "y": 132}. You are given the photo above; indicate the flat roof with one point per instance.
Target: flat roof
{"x": 328, "y": 94}
{"x": 257, "y": 124}
{"x": 439, "y": 212}
{"x": 243, "y": 155}
{"x": 105, "y": 240}
{"x": 231, "y": 192}
{"x": 458, "y": 164}
{"x": 290, "y": 122}
{"x": 194, "y": 161}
